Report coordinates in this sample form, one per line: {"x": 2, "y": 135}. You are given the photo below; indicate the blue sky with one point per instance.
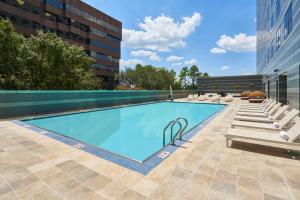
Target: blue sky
{"x": 217, "y": 35}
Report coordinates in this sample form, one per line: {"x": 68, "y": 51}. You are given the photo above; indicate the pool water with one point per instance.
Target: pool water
{"x": 135, "y": 132}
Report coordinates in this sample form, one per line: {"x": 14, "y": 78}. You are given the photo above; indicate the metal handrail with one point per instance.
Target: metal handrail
{"x": 180, "y": 127}
{"x": 186, "y": 125}
{"x": 179, "y": 132}
{"x": 164, "y": 136}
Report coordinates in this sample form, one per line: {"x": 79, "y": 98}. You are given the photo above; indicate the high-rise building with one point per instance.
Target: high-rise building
{"x": 76, "y": 22}
{"x": 278, "y": 48}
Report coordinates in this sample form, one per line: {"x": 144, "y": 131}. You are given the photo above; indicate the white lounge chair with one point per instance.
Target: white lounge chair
{"x": 215, "y": 98}
{"x": 248, "y": 105}
{"x": 228, "y": 98}
{"x": 289, "y": 138}
{"x": 266, "y": 114}
{"x": 265, "y": 118}
{"x": 258, "y": 107}
{"x": 202, "y": 97}
{"x": 190, "y": 97}
{"x": 266, "y": 108}
{"x": 272, "y": 127}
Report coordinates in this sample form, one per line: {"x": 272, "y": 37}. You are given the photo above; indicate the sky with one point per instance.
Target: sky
{"x": 216, "y": 35}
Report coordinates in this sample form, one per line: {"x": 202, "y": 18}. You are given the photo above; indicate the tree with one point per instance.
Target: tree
{"x": 194, "y": 74}
{"x": 205, "y": 74}
{"x": 148, "y": 77}
{"x": 43, "y": 61}
{"x": 183, "y": 75}
{"x": 12, "y": 47}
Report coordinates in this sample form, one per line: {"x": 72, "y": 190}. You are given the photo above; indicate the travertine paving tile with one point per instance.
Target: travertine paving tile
{"x": 247, "y": 194}
{"x": 145, "y": 187}
{"x": 80, "y": 192}
{"x": 4, "y": 187}
{"x": 46, "y": 195}
{"x": 35, "y": 167}
{"x": 132, "y": 195}
{"x": 98, "y": 182}
{"x": 9, "y": 196}
{"x": 28, "y": 190}
{"x": 223, "y": 187}
{"x": 95, "y": 196}
{"x": 113, "y": 190}
{"x": 250, "y": 183}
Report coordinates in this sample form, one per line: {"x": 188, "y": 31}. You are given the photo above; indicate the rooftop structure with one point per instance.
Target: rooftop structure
{"x": 76, "y": 22}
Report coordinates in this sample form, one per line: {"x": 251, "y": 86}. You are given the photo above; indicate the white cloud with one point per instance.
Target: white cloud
{"x": 173, "y": 58}
{"x": 130, "y": 63}
{"x": 254, "y": 19}
{"x": 225, "y": 68}
{"x": 191, "y": 62}
{"x": 238, "y": 43}
{"x": 177, "y": 64}
{"x": 217, "y": 50}
{"x": 161, "y": 33}
{"x": 143, "y": 53}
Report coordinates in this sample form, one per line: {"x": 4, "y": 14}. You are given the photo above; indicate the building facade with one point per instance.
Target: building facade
{"x": 229, "y": 84}
{"x": 278, "y": 48}
{"x": 77, "y": 23}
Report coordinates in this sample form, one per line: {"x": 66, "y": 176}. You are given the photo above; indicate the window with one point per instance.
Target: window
{"x": 272, "y": 21}
{"x": 278, "y": 8}
{"x": 91, "y": 18}
{"x": 24, "y": 21}
{"x": 278, "y": 38}
{"x": 288, "y": 21}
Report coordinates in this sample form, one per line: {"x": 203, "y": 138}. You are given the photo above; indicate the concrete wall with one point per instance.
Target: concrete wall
{"x": 230, "y": 84}
{"x": 25, "y": 103}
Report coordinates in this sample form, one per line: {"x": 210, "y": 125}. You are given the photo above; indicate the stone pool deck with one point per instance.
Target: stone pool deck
{"x": 33, "y": 166}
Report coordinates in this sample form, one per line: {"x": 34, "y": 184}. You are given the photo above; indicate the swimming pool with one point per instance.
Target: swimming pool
{"x": 135, "y": 132}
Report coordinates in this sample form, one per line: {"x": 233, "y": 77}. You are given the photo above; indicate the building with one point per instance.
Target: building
{"x": 278, "y": 48}
{"x": 229, "y": 84}
{"x": 76, "y": 22}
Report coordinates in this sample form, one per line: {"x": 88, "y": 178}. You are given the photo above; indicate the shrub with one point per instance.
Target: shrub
{"x": 257, "y": 95}
{"x": 245, "y": 93}
{"x": 123, "y": 87}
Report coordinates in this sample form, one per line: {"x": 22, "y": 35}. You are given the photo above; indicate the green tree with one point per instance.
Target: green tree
{"x": 43, "y": 61}
{"x": 194, "y": 74}
{"x": 205, "y": 74}
{"x": 183, "y": 76}
{"x": 148, "y": 77}
{"x": 12, "y": 48}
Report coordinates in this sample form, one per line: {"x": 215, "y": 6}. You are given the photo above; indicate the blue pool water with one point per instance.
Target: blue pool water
{"x": 135, "y": 132}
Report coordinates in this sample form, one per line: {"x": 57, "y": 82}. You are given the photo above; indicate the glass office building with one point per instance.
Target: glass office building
{"x": 278, "y": 48}
{"x": 77, "y": 23}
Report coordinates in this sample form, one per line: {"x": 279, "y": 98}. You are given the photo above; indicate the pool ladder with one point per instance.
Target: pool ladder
{"x": 179, "y": 133}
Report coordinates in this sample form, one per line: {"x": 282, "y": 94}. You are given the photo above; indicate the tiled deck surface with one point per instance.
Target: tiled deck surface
{"x": 33, "y": 166}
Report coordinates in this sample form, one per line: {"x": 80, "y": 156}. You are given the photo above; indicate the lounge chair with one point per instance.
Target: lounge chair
{"x": 255, "y": 105}
{"x": 190, "y": 97}
{"x": 202, "y": 97}
{"x": 228, "y": 98}
{"x": 267, "y": 103}
{"x": 266, "y": 108}
{"x": 264, "y": 136}
{"x": 265, "y": 114}
{"x": 272, "y": 127}
{"x": 265, "y": 117}
{"x": 215, "y": 98}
